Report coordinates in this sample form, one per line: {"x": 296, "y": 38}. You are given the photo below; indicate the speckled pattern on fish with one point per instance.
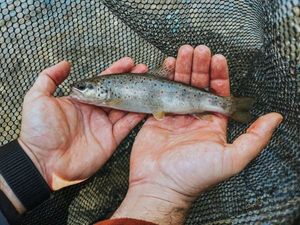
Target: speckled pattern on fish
{"x": 145, "y": 93}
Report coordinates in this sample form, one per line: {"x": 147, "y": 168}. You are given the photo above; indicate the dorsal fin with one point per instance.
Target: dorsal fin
{"x": 162, "y": 71}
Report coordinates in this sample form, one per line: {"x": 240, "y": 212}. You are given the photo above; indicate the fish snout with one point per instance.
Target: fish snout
{"x": 76, "y": 93}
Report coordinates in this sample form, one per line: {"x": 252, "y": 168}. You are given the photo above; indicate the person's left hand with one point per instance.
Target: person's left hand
{"x": 68, "y": 141}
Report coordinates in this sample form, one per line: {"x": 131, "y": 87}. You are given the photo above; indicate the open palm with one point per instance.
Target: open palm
{"x": 68, "y": 140}
{"x": 184, "y": 155}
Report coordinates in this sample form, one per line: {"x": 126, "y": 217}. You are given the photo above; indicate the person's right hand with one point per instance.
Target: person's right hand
{"x": 67, "y": 140}
{"x": 176, "y": 159}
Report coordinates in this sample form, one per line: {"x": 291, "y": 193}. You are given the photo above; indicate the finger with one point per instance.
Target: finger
{"x": 247, "y": 146}
{"x": 219, "y": 80}
{"x": 116, "y": 115}
{"x": 139, "y": 68}
{"x": 49, "y": 78}
{"x": 106, "y": 109}
{"x": 121, "y": 66}
{"x": 169, "y": 66}
{"x": 184, "y": 63}
{"x": 201, "y": 66}
{"x": 122, "y": 128}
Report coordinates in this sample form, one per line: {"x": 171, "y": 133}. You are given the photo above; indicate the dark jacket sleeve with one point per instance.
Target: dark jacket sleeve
{"x": 3, "y": 220}
{"x": 8, "y": 214}
{"x": 23, "y": 178}
{"x": 125, "y": 221}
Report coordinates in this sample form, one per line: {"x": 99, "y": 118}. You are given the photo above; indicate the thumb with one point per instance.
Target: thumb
{"x": 247, "y": 146}
{"x": 49, "y": 78}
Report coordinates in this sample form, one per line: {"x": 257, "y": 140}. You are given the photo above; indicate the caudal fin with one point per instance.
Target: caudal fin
{"x": 242, "y": 106}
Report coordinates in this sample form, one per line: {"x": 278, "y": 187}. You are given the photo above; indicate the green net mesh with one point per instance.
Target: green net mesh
{"x": 260, "y": 38}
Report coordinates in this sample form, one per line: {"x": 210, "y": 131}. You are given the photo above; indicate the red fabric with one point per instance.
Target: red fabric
{"x": 124, "y": 221}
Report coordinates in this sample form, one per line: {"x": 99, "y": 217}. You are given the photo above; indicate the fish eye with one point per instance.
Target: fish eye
{"x": 90, "y": 86}
{"x": 81, "y": 86}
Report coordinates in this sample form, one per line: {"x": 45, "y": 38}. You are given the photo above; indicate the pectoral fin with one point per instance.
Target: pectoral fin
{"x": 159, "y": 115}
{"x": 114, "y": 102}
{"x": 203, "y": 116}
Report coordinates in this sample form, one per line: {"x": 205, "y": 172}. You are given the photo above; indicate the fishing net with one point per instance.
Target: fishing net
{"x": 260, "y": 38}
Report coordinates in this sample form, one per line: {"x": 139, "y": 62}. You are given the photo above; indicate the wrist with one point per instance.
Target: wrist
{"x": 35, "y": 159}
{"x": 21, "y": 182}
{"x": 41, "y": 162}
{"x": 154, "y": 204}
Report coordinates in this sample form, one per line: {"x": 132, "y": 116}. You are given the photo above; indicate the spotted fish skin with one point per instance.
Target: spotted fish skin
{"x": 145, "y": 93}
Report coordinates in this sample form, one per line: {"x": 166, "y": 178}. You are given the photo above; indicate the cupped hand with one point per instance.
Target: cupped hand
{"x": 67, "y": 140}
{"x": 176, "y": 159}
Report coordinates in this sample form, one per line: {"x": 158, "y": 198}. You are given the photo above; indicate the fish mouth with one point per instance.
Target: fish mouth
{"x": 76, "y": 94}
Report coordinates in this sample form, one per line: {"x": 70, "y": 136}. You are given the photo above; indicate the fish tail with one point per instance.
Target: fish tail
{"x": 241, "y": 108}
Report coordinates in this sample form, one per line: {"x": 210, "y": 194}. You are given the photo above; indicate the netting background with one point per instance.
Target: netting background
{"x": 260, "y": 38}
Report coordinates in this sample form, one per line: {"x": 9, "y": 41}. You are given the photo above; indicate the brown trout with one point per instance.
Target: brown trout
{"x": 144, "y": 93}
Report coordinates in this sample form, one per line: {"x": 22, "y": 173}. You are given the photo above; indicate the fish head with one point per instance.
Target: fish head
{"x": 90, "y": 91}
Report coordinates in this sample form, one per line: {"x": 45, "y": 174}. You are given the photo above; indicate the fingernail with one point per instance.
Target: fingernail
{"x": 202, "y": 48}
{"x": 186, "y": 48}
{"x": 165, "y": 61}
{"x": 279, "y": 121}
{"x": 70, "y": 63}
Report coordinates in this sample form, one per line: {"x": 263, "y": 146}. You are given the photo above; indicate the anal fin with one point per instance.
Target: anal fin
{"x": 159, "y": 115}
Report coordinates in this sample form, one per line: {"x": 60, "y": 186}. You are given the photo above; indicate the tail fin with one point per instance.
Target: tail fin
{"x": 242, "y": 106}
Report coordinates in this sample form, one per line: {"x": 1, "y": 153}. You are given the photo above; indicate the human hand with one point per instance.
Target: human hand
{"x": 67, "y": 140}
{"x": 174, "y": 160}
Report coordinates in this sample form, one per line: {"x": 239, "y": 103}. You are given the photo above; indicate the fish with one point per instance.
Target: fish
{"x": 147, "y": 93}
